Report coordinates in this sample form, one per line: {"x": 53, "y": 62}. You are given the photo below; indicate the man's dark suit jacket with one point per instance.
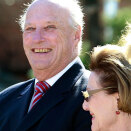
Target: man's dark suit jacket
{"x": 60, "y": 109}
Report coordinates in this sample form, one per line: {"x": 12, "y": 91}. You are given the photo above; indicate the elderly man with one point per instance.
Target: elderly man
{"x": 52, "y": 101}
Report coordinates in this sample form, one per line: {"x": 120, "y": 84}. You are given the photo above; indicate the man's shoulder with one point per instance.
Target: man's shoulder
{"x": 84, "y": 78}
{"x": 82, "y": 82}
{"x": 15, "y": 87}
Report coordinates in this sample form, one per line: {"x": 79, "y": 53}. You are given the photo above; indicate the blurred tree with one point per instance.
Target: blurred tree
{"x": 93, "y": 12}
{"x": 117, "y": 24}
{"x": 93, "y": 30}
{"x": 13, "y": 62}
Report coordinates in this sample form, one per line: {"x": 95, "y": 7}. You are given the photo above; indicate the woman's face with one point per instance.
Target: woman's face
{"x": 101, "y": 106}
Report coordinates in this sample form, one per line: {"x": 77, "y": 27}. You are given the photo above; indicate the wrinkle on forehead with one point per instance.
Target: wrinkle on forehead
{"x": 52, "y": 11}
{"x": 40, "y": 4}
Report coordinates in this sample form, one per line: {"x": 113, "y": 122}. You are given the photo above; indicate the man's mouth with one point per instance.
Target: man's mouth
{"x": 41, "y": 50}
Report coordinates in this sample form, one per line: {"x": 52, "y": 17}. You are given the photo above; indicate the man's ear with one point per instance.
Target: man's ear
{"x": 77, "y": 34}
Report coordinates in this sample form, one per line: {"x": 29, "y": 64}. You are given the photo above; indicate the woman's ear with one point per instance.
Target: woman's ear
{"x": 116, "y": 100}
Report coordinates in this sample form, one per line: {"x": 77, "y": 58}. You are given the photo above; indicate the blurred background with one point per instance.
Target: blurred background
{"x": 105, "y": 21}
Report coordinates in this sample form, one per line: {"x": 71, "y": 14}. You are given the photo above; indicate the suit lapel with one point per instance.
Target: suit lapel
{"x": 24, "y": 99}
{"x": 58, "y": 92}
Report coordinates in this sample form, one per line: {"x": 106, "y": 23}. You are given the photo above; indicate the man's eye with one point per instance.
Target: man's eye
{"x": 50, "y": 27}
{"x": 30, "y": 29}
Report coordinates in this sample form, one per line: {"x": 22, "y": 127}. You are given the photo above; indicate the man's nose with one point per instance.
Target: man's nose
{"x": 38, "y": 36}
{"x": 85, "y": 105}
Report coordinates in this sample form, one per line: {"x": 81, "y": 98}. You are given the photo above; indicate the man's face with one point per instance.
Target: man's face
{"x": 48, "y": 39}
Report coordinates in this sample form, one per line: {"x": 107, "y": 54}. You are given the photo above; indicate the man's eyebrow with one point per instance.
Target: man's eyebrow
{"x": 28, "y": 24}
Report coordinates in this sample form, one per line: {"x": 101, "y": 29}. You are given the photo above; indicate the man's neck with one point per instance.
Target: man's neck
{"x": 43, "y": 75}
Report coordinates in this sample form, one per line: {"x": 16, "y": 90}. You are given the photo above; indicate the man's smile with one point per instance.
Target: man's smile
{"x": 41, "y": 50}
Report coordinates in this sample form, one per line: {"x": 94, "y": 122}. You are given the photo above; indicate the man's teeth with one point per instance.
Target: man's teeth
{"x": 41, "y": 50}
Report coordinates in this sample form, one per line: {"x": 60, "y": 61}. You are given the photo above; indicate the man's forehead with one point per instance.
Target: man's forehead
{"x": 47, "y": 7}
{"x": 45, "y": 3}
{"x": 51, "y": 13}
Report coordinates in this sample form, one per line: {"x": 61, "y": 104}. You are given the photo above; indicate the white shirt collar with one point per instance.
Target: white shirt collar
{"x": 53, "y": 79}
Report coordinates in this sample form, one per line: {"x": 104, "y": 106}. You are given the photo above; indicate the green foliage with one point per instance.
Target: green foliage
{"x": 30, "y": 74}
{"x": 85, "y": 54}
{"x": 118, "y": 23}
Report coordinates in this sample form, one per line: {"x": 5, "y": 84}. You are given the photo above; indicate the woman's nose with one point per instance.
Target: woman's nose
{"x": 85, "y": 105}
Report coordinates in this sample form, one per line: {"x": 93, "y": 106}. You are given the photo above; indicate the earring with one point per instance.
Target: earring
{"x": 117, "y": 112}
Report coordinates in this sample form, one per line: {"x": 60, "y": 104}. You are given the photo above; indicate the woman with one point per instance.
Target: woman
{"x": 108, "y": 94}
